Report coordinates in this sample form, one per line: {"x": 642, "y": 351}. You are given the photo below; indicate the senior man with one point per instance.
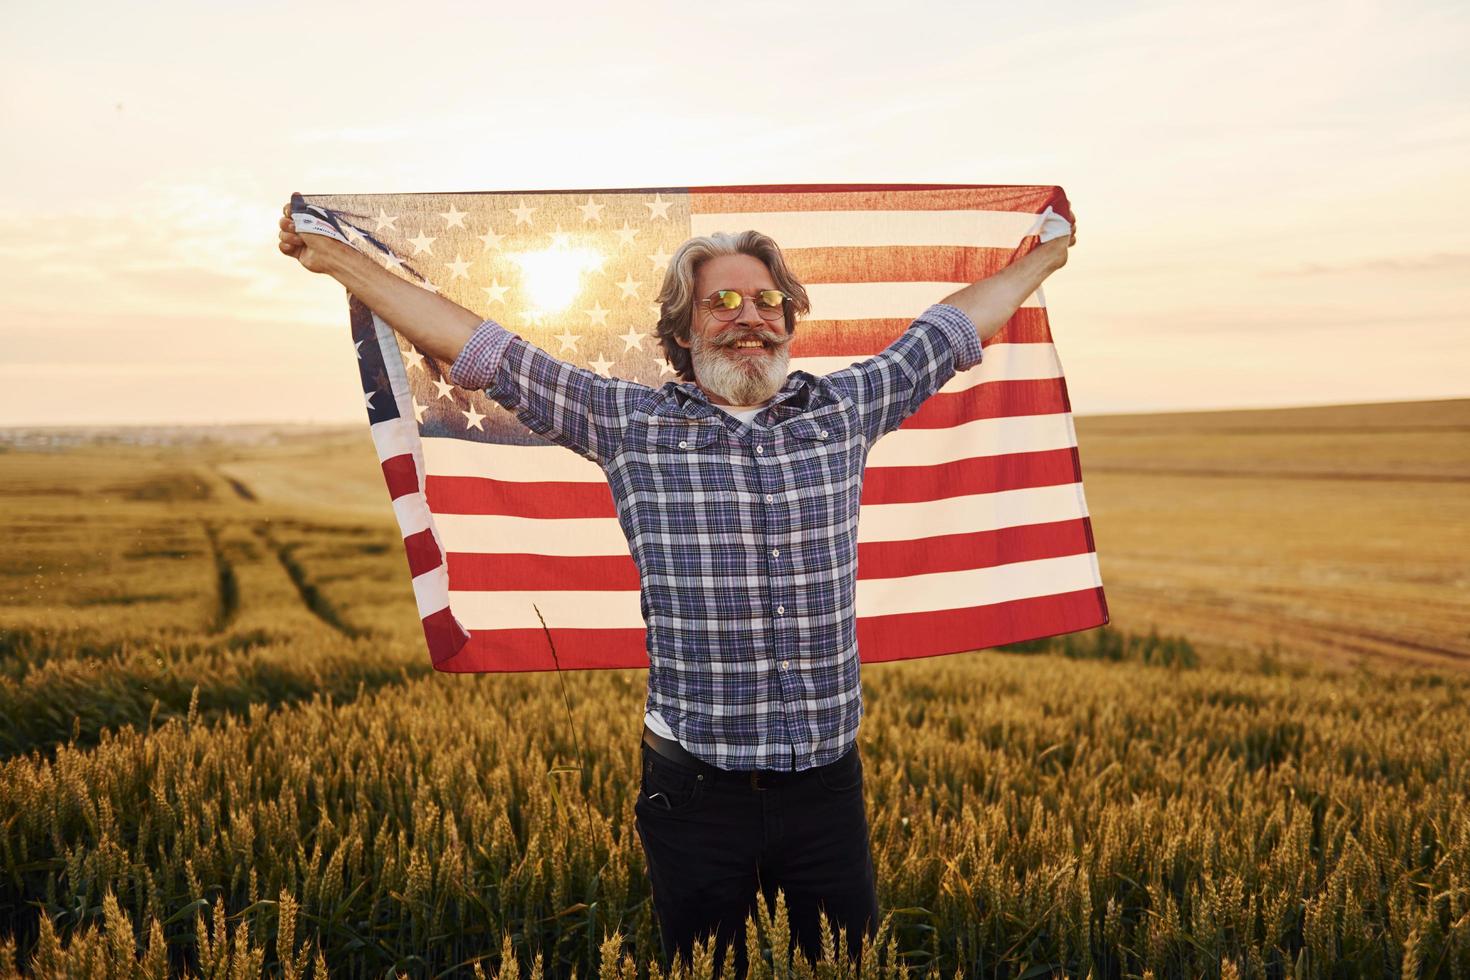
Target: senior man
{"x": 738, "y": 488}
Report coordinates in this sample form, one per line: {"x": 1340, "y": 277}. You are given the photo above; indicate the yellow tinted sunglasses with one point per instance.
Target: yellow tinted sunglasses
{"x": 726, "y": 304}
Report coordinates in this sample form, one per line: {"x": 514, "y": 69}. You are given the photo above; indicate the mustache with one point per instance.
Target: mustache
{"x": 773, "y": 337}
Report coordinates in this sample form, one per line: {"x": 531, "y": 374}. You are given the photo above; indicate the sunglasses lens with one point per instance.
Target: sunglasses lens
{"x": 729, "y": 299}
{"x": 770, "y": 299}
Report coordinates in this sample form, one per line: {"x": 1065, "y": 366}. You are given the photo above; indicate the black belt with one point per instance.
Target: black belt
{"x": 759, "y": 778}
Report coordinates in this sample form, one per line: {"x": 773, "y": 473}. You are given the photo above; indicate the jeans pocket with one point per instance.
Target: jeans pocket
{"x": 844, "y": 775}
{"x": 668, "y": 787}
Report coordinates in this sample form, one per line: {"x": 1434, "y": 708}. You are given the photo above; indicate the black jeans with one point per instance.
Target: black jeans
{"x": 713, "y": 841}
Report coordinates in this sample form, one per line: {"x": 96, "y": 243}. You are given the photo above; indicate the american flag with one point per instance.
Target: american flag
{"x": 974, "y": 530}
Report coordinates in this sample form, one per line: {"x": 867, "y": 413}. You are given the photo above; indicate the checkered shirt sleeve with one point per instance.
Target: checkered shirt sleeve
{"x": 891, "y": 385}
{"x": 571, "y": 406}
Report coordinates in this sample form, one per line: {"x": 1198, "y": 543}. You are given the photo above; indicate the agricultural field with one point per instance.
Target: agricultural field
{"x": 223, "y": 751}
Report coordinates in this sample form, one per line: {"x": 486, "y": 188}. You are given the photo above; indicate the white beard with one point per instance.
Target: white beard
{"x": 737, "y": 378}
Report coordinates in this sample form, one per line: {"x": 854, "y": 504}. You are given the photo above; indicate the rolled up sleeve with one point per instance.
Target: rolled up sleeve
{"x": 478, "y": 361}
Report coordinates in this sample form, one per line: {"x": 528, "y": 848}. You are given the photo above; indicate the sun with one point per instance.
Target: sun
{"x": 552, "y": 276}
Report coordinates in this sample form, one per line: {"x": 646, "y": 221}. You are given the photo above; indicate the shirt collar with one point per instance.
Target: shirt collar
{"x": 691, "y": 398}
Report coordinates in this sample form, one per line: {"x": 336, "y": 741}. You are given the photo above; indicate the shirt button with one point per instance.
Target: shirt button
{"x": 775, "y": 552}
{"x": 683, "y": 444}
{"x": 780, "y": 610}
{"x": 769, "y": 498}
{"x": 760, "y": 449}
{"x": 785, "y": 664}
{"x": 824, "y": 433}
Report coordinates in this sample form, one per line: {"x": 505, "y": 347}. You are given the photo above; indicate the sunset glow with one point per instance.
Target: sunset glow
{"x": 552, "y": 276}
{"x": 1279, "y": 231}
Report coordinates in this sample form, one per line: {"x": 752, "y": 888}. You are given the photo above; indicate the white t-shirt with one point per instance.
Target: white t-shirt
{"x": 744, "y": 413}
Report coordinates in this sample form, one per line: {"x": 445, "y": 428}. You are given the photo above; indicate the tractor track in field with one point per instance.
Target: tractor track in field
{"x": 311, "y": 597}
{"x": 227, "y": 586}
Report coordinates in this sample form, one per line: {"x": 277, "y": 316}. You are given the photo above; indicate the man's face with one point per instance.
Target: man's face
{"x": 731, "y": 374}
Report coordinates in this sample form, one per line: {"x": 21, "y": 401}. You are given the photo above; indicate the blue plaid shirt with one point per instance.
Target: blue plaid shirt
{"x": 744, "y": 533}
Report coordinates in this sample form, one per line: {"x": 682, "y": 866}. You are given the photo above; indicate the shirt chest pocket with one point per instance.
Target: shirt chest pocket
{"x": 823, "y": 447}
{"x": 687, "y": 459}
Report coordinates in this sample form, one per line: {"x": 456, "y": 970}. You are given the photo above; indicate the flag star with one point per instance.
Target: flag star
{"x": 626, "y": 235}
{"x": 425, "y": 284}
{"x": 629, "y": 287}
{"x": 532, "y": 317}
{"x": 568, "y": 341}
{"x": 559, "y": 238}
{"x": 632, "y": 340}
{"x": 386, "y": 220}
{"x": 472, "y": 419}
{"x": 454, "y": 218}
{"x": 392, "y": 262}
{"x": 660, "y": 259}
{"x": 357, "y": 346}
{"x": 598, "y": 315}
{"x": 422, "y": 244}
{"x": 665, "y": 368}
{"x": 418, "y": 411}
{"x": 367, "y": 398}
{"x": 461, "y": 268}
{"x": 657, "y": 208}
{"x": 600, "y": 365}
{"x": 491, "y": 239}
{"x": 591, "y": 212}
{"x": 414, "y": 358}
{"x": 496, "y": 291}
{"x": 522, "y": 213}
{"x": 655, "y": 311}
{"x": 444, "y": 388}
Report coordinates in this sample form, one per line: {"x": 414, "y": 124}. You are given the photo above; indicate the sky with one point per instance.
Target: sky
{"x": 1270, "y": 195}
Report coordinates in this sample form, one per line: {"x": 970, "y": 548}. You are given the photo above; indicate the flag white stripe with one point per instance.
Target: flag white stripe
{"x": 875, "y": 597}
{"x": 592, "y": 536}
{"x": 902, "y": 447}
{"x": 1000, "y": 362}
{"x": 545, "y": 463}
{"x": 431, "y": 590}
{"x": 875, "y": 229}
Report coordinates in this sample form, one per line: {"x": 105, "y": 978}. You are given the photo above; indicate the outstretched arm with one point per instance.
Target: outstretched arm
{"x": 992, "y": 301}
{"x": 569, "y": 405}
{"x": 891, "y": 385}
{"x": 437, "y": 326}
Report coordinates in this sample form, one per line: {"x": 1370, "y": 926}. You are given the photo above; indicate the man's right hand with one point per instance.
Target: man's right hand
{"x": 434, "y": 324}
{"x": 314, "y": 252}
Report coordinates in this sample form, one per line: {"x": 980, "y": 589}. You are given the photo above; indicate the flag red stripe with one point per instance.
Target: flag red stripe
{"x": 475, "y": 572}
{"x": 1031, "y": 199}
{"x": 880, "y": 638}
{"x": 897, "y": 263}
{"x": 423, "y": 552}
{"x": 445, "y": 637}
{"x": 884, "y": 638}
{"x": 527, "y": 649}
{"x": 864, "y": 338}
{"x": 882, "y": 485}
{"x": 998, "y": 399}
{"x": 977, "y": 549}
{"x": 548, "y": 501}
{"x": 981, "y": 474}
{"x": 401, "y": 474}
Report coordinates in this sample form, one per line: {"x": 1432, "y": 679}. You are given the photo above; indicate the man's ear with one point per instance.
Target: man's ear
{"x": 682, "y": 342}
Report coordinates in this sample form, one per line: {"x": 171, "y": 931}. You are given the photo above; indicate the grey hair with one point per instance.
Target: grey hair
{"x": 676, "y": 299}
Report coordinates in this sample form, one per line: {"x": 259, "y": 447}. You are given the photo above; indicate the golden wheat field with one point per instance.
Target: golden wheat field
{"x": 224, "y": 752}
